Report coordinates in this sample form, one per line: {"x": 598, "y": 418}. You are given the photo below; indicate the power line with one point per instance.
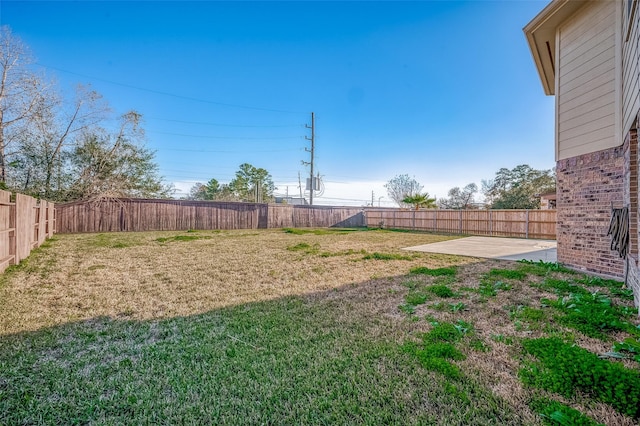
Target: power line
{"x": 344, "y": 199}
{"x": 159, "y": 92}
{"x": 230, "y": 152}
{"x": 221, "y": 124}
{"x": 222, "y": 137}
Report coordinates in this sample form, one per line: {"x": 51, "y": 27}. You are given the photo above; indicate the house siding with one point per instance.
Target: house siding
{"x": 587, "y": 187}
{"x": 630, "y": 70}
{"x": 586, "y": 82}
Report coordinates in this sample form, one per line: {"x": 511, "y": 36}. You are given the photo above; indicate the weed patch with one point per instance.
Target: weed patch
{"x": 115, "y": 240}
{"x": 593, "y": 314}
{"x": 566, "y": 369}
{"x": 441, "y": 291}
{"x": 510, "y": 274}
{"x": 411, "y": 284}
{"x": 535, "y": 318}
{"x": 628, "y": 348}
{"x": 437, "y": 272}
{"x": 177, "y": 238}
{"x": 556, "y": 413}
{"x": 327, "y": 231}
{"x": 542, "y": 268}
{"x": 450, "y": 307}
{"x": 490, "y": 288}
{"x": 613, "y": 287}
{"x": 562, "y": 287}
{"x": 445, "y": 332}
{"x": 444, "y": 280}
{"x": 348, "y": 252}
{"x": 501, "y": 338}
{"x": 408, "y": 308}
{"x": 305, "y": 247}
{"x": 388, "y": 256}
{"x": 416, "y": 298}
{"x": 438, "y": 348}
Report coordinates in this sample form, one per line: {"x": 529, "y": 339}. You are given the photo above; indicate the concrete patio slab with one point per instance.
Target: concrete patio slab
{"x": 495, "y": 248}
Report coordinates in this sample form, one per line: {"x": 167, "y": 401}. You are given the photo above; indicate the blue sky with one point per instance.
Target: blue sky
{"x": 441, "y": 90}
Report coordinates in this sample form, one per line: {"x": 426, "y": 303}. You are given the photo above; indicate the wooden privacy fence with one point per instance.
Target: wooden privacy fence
{"x": 24, "y": 225}
{"x": 539, "y": 224}
{"x": 174, "y": 215}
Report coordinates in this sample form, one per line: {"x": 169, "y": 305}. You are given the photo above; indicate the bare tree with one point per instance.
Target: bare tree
{"x": 23, "y": 95}
{"x": 459, "y": 198}
{"x": 40, "y": 159}
{"x": 401, "y": 187}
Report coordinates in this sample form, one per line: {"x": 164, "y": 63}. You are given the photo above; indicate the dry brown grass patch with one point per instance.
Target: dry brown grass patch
{"x": 137, "y": 276}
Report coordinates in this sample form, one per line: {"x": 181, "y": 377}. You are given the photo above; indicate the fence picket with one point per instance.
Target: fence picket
{"x": 24, "y": 225}
{"x": 155, "y": 215}
{"x": 536, "y": 224}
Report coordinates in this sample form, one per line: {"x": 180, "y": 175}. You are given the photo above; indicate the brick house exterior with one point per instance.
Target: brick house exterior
{"x": 587, "y": 55}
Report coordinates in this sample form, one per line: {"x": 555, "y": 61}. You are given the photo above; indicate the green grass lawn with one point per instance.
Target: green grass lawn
{"x": 288, "y": 361}
{"x": 320, "y": 327}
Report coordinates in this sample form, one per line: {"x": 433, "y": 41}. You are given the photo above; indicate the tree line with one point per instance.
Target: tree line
{"x": 517, "y": 188}
{"x": 67, "y": 149}
{"x": 250, "y": 184}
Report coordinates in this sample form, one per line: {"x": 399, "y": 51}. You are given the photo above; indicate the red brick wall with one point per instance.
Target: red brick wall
{"x": 586, "y": 186}
{"x": 631, "y": 188}
{"x": 631, "y": 194}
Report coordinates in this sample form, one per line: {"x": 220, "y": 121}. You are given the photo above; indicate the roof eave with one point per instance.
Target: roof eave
{"x": 541, "y": 37}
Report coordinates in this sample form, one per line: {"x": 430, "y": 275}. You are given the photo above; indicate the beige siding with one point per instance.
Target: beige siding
{"x": 586, "y": 81}
{"x": 630, "y": 88}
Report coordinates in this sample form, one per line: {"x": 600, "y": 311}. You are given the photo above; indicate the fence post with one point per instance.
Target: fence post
{"x": 435, "y": 220}
{"x": 490, "y": 225}
{"x": 13, "y": 235}
{"x": 527, "y": 232}
{"x": 460, "y": 221}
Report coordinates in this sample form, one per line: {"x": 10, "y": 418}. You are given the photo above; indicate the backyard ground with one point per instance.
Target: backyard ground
{"x": 308, "y": 327}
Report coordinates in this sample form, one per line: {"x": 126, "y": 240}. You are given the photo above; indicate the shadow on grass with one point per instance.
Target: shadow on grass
{"x": 328, "y": 358}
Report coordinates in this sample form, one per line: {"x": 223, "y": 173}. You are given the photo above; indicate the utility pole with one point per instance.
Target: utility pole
{"x": 312, "y": 152}
{"x": 372, "y": 198}
{"x": 300, "y": 187}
